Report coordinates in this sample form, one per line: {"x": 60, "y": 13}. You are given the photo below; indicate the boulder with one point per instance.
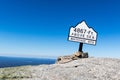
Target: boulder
{"x": 75, "y": 56}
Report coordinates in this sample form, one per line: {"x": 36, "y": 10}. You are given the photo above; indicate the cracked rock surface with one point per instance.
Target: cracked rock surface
{"x": 81, "y": 69}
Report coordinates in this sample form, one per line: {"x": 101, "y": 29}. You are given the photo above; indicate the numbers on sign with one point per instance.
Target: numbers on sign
{"x": 85, "y": 31}
{"x": 88, "y": 32}
{"x": 91, "y": 33}
{"x": 75, "y": 30}
{"x": 78, "y": 30}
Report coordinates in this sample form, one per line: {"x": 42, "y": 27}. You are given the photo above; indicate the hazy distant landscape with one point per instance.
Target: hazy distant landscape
{"x": 17, "y": 61}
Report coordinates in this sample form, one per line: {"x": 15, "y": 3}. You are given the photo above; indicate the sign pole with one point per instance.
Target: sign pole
{"x": 80, "y": 47}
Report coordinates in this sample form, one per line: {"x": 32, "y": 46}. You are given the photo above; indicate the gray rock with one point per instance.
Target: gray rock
{"x": 75, "y": 56}
{"x": 80, "y": 69}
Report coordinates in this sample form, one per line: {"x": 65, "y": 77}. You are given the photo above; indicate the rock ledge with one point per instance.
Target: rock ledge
{"x": 80, "y": 69}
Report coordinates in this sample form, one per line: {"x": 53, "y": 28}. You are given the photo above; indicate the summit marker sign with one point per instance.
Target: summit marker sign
{"x": 83, "y": 34}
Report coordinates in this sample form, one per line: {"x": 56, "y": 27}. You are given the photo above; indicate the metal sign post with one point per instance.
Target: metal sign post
{"x": 80, "y": 47}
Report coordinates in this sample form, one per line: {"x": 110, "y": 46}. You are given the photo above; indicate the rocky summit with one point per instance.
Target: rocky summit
{"x": 80, "y": 69}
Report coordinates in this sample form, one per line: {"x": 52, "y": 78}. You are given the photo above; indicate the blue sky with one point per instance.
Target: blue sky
{"x": 39, "y": 28}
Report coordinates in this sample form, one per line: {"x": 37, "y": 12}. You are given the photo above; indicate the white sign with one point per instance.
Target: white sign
{"x": 82, "y": 33}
